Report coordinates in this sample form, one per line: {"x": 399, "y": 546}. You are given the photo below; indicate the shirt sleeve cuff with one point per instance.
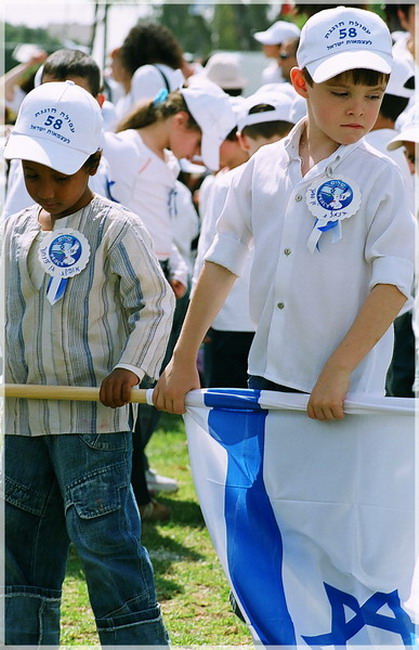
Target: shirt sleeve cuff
{"x": 393, "y": 270}
{"x": 137, "y": 371}
{"x": 228, "y": 252}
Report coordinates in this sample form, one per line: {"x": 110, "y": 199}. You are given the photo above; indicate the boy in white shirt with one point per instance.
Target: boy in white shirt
{"x": 332, "y": 234}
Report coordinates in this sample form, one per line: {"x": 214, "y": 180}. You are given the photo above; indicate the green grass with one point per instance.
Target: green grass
{"x": 191, "y": 586}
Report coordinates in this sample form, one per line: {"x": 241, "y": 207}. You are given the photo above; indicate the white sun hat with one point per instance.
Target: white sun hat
{"x": 59, "y": 125}
{"x": 223, "y": 68}
{"x": 402, "y": 79}
{"x": 280, "y": 31}
{"x": 271, "y": 95}
{"x": 409, "y": 131}
{"x": 340, "y": 39}
{"x": 211, "y": 109}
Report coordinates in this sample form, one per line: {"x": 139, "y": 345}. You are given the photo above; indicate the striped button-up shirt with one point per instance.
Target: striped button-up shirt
{"x": 116, "y": 312}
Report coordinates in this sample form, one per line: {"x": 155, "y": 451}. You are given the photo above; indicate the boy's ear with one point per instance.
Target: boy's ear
{"x": 243, "y": 141}
{"x": 299, "y": 82}
{"x": 95, "y": 162}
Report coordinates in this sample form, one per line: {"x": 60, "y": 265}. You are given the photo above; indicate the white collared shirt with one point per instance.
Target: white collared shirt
{"x": 234, "y": 315}
{"x": 304, "y": 302}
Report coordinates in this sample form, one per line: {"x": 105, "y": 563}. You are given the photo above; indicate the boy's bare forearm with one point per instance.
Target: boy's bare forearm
{"x": 374, "y": 318}
{"x": 213, "y": 286}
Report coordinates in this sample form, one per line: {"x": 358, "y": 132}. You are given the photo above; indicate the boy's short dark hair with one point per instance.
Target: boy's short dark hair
{"x": 363, "y": 76}
{"x": 266, "y": 130}
{"x": 233, "y": 92}
{"x": 65, "y": 63}
{"x": 232, "y": 136}
{"x": 93, "y": 161}
{"x": 392, "y": 106}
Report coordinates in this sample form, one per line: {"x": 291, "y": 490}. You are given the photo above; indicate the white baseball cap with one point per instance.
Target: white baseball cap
{"x": 59, "y": 125}
{"x": 402, "y": 79}
{"x": 409, "y": 131}
{"x": 335, "y": 40}
{"x": 270, "y": 94}
{"x": 277, "y": 33}
{"x": 212, "y": 111}
{"x": 224, "y": 70}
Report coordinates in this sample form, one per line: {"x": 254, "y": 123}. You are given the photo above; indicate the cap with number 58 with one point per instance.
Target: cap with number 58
{"x": 340, "y": 39}
{"x": 59, "y": 125}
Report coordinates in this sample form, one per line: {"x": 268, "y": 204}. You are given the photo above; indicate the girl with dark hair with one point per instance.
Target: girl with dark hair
{"x": 149, "y": 59}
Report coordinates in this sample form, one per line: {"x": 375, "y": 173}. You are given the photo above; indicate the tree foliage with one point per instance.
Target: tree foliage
{"x": 202, "y": 28}
{"x": 17, "y": 34}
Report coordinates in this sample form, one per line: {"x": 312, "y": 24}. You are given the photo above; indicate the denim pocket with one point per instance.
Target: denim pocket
{"x": 95, "y": 510}
{"x": 23, "y": 497}
{"x": 106, "y": 441}
{"x": 98, "y": 494}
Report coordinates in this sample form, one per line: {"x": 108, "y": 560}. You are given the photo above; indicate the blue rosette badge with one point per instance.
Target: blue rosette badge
{"x": 331, "y": 201}
{"x": 64, "y": 253}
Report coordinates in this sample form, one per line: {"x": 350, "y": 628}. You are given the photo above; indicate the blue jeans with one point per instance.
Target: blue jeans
{"x": 75, "y": 488}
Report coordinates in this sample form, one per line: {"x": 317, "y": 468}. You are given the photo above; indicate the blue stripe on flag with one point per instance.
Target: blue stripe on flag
{"x": 254, "y": 543}
{"x": 232, "y": 398}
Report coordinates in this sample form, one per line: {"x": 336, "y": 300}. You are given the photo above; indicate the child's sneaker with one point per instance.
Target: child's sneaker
{"x": 157, "y": 483}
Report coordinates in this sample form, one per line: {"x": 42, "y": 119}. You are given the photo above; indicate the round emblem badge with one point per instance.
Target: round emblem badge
{"x": 333, "y": 199}
{"x": 334, "y": 194}
{"x": 64, "y": 253}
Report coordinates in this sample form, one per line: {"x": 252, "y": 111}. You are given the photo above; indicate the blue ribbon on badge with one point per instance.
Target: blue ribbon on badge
{"x": 55, "y": 289}
{"x": 328, "y": 226}
{"x": 317, "y": 231}
{"x": 63, "y": 255}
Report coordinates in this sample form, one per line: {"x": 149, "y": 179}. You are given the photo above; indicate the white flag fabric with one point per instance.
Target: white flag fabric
{"x": 313, "y": 522}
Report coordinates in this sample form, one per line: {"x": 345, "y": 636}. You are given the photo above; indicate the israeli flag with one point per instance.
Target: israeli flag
{"x": 313, "y": 522}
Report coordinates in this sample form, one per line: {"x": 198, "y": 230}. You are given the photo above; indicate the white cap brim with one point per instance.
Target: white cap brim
{"x": 66, "y": 161}
{"x": 265, "y": 39}
{"x": 210, "y": 149}
{"x": 276, "y": 115}
{"x": 410, "y": 134}
{"x": 335, "y": 64}
{"x": 190, "y": 167}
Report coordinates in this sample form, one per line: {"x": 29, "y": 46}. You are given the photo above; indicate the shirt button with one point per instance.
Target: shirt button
{"x": 287, "y": 251}
{"x": 280, "y": 305}
{"x": 298, "y": 197}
